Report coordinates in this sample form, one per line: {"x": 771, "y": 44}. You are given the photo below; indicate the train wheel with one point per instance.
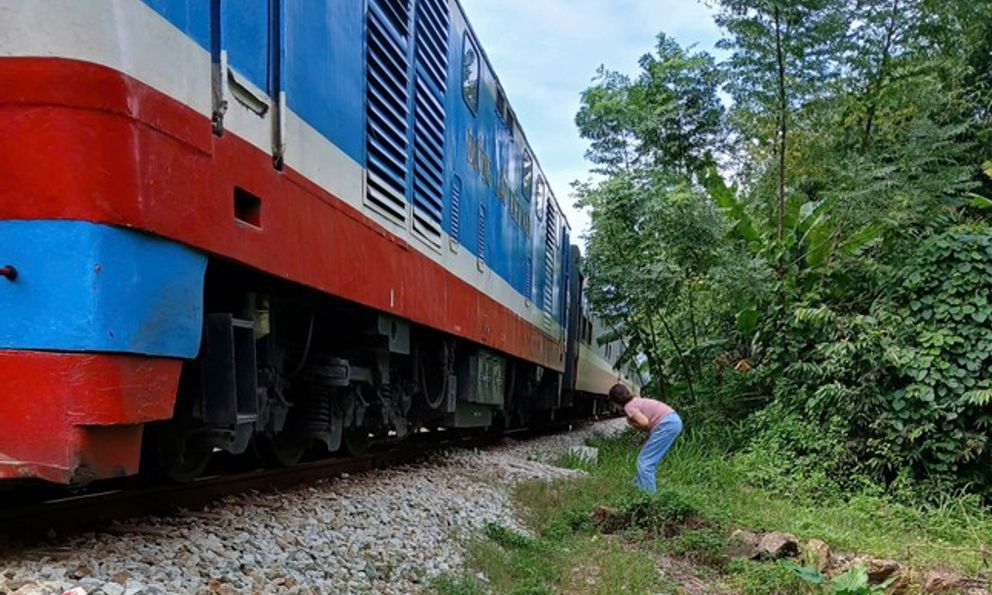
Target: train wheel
{"x": 285, "y": 449}
{"x": 356, "y": 441}
{"x": 183, "y": 458}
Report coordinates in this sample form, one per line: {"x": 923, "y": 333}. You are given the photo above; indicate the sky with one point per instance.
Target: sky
{"x": 546, "y": 52}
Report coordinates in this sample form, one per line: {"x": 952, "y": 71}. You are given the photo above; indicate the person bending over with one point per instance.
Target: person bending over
{"x": 662, "y": 424}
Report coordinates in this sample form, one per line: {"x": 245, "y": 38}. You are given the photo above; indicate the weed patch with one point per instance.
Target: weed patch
{"x": 852, "y": 582}
{"x": 461, "y": 584}
{"x": 758, "y": 578}
{"x": 509, "y": 538}
{"x": 702, "y": 546}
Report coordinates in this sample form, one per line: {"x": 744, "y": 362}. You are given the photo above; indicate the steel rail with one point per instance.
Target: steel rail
{"x": 26, "y": 522}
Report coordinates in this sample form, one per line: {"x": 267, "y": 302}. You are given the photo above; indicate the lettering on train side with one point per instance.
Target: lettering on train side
{"x": 520, "y": 214}
{"x": 503, "y": 188}
{"x": 479, "y": 159}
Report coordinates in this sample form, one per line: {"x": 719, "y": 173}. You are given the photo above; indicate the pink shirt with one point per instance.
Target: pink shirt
{"x": 655, "y": 411}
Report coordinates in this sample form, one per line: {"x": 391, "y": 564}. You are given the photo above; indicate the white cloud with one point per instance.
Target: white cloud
{"x": 545, "y": 53}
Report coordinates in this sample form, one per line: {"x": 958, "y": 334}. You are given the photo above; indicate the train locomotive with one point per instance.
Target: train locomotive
{"x": 269, "y": 224}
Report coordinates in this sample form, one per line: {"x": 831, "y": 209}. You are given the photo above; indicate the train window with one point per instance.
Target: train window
{"x": 470, "y": 74}
{"x": 500, "y": 103}
{"x": 528, "y": 177}
{"x": 504, "y": 111}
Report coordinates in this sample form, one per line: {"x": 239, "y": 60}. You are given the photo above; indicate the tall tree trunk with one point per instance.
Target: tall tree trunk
{"x": 686, "y": 370}
{"x": 782, "y": 130}
{"x": 691, "y": 298}
{"x": 783, "y": 108}
{"x": 876, "y": 86}
{"x": 654, "y": 365}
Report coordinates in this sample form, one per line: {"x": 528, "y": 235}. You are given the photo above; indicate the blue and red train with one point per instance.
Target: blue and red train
{"x": 268, "y": 224}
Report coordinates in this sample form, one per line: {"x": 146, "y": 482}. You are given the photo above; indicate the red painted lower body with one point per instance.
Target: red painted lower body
{"x": 71, "y": 418}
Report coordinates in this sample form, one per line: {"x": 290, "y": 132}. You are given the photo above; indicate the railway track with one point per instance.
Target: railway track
{"x": 29, "y": 519}
{"x": 389, "y": 530}
{"x": 24, "y": 520}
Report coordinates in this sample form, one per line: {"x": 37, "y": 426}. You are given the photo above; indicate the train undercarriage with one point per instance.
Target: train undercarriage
{"x": 284, "y": 372}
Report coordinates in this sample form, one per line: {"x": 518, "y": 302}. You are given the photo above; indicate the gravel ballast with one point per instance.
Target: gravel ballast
{"x": 386, "y": 531}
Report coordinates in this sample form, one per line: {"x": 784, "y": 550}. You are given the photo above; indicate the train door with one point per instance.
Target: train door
{"x": 573, "y": 320}
{"x": 247, "y": 47}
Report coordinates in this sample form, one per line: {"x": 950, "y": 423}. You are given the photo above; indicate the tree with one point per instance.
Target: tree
{"x": 783, "y": 56}
{"x": 667, "y": 119}
{"x": 825, "y": 237}
{"x": 655, "y": 244}
{"x": 654, "y": 228}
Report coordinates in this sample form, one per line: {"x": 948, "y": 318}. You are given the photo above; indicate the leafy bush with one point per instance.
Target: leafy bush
{"x": 665, "y": 512}
{"x": 939, "y": 418}
{"x": 901, "y": 392}
{"x": 853, "y": 582}
{"x": 793, "y": 456}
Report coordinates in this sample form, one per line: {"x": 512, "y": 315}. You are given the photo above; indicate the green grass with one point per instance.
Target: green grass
{"x": 951, "y": 535}
{"x": 583, "y": 563}
{"x": 760, "y": 578}
{"x": 703, "y": 494}
{"x": 461, "y": 584}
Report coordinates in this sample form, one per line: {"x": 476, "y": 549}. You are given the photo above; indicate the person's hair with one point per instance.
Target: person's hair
{"x": 620, "y": 394}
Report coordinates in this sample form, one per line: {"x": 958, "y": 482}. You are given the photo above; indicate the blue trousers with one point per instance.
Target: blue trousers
{"x": 661, "y": 439}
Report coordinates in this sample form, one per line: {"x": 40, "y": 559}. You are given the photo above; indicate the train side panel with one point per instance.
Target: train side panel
{"x": 327, "y": 152}
{"x": 201, "y": 174}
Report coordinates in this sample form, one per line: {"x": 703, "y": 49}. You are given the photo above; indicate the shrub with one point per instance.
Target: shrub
{"x": 702, "y": 546}
{"x": 796, "y": 457}
{"x": 668, "y": 512}
{"x": 939, "y": 417}
{"x": 901, "y": 391}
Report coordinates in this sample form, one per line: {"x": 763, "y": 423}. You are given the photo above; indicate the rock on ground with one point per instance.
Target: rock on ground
{"x": 817, "y": 554}
{"x": 387, "y": 531}
{"x": 762, "y": 546}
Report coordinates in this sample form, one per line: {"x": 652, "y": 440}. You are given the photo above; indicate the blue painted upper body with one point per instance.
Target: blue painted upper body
{"x": 471, "y": 181}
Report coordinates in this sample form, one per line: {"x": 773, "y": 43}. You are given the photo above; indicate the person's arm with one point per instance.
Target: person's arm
{"x": 639, "y": 421}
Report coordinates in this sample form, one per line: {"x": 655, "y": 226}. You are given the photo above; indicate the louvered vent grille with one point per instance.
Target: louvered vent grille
{"x": 456, "y": 207}
{"x": 396, "y": 12}
{"x": 529, "y": 273}
{"x": 387, "y": 106}
{"x": 432, "y": 40}
{"x": 482, "y": 232}
{"x": 431, "y": 51}
{"x": 550, "y": 247}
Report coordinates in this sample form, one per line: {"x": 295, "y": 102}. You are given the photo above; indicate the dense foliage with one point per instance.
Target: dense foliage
{"x": 797, "y": 241}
